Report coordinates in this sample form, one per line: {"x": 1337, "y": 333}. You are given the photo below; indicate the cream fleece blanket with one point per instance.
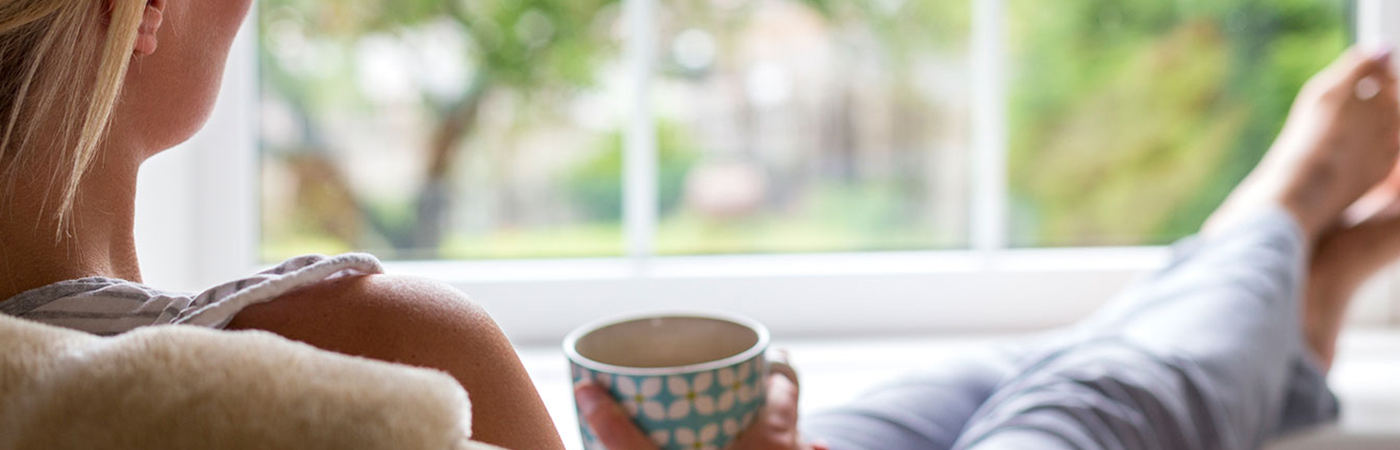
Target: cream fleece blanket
{"x": 175, "y": 387}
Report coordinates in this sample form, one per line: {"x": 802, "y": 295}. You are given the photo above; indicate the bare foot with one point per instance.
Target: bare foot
{"x": 1345, "y": 258}
{"x": 1341, "y": 139}
{"x": 1384, "y": 199}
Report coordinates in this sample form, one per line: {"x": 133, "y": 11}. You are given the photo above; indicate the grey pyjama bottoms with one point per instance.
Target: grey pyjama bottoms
{"x": 1208, "y": 353}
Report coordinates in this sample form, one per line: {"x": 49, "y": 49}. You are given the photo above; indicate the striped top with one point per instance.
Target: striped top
{"x": 108, "y": 307}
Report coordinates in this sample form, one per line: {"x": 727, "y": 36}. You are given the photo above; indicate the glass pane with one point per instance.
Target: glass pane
{"x": 441, "y": 128}
{"x": 1132, "y": 120}
{"x": 812, "y": 125}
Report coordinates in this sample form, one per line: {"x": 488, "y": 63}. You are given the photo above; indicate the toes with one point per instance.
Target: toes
{"x": 1357, "y": 65}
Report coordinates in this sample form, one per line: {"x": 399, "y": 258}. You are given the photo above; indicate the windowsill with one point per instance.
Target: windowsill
{"x": 1027, "y": 260}
{"x": 814, "y": 296}
{"x": 837, "y": 371}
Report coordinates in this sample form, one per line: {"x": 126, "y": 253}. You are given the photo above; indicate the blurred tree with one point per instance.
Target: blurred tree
{"x": 528, "y": 47}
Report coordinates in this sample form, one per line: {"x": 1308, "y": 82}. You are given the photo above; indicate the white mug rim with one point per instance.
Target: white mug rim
{"x": 758, "y": 348}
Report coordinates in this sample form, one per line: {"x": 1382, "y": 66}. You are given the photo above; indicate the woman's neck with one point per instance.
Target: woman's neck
{"x": 99, "y": 242}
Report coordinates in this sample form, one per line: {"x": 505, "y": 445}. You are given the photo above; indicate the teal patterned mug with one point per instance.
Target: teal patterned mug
{"x": 691, "y": 381}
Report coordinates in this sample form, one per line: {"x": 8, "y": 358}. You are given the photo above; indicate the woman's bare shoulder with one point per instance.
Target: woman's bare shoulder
{"x": 422, "y": 323}
{"x": 349, "y": 313}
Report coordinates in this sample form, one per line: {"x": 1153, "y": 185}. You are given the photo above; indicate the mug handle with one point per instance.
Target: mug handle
{"x": 778, "y": 363}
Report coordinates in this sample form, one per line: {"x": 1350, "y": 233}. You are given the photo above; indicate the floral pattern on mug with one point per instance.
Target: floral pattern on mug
{"x": 702, "y": 439}
{"x": 641, "y": 399}
{"x": 735, "y": 383}
{"x": 691, "y": 395}
{"x": 661, "y": 437}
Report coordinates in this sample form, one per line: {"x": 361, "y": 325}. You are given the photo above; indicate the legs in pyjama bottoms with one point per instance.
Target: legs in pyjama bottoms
{"x": 1206, "y": 354}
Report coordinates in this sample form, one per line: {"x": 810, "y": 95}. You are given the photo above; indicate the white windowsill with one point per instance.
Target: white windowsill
{"x": 836, "y": 371}
{"x": 805, "y": 295}
{"x": 1048, "y": 260}
{"x": 827, "y": 296}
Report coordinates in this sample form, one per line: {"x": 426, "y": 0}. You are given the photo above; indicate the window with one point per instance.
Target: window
{"x": 827, "y": 166}
{"x": 500, "y": 129}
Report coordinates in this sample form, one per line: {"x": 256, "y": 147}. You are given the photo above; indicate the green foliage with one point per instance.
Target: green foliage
{"x": 527, "y": 45}
{"x": 1132, "y": 119}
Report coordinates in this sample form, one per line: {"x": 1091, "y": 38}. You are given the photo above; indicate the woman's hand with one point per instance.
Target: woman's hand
{"x": 774, "y": 429}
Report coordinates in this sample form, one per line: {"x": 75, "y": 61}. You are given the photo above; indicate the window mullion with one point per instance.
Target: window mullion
{"x": 989, "y": 128}
{"x": 640, "y": 164}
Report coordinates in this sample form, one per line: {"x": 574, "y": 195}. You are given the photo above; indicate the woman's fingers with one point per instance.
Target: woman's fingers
{"x": 780, "y": 413}
{"x": 609, "y": 422}
{"x": 776, "y": 425}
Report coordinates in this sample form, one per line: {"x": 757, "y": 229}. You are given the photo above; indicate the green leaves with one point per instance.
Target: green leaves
{"x": 1132, "y": 119}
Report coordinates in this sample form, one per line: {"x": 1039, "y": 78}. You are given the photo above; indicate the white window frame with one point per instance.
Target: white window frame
{"x": 198, "y": 224}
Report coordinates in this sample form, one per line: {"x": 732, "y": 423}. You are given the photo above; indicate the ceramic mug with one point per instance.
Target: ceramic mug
{"x": 691, "y": 381}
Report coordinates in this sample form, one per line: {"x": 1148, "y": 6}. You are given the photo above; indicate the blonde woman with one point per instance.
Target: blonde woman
{"x": 89, "y": 89}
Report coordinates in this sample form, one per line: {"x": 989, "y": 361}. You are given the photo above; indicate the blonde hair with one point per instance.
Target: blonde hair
{"x": 59, "y": 83}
